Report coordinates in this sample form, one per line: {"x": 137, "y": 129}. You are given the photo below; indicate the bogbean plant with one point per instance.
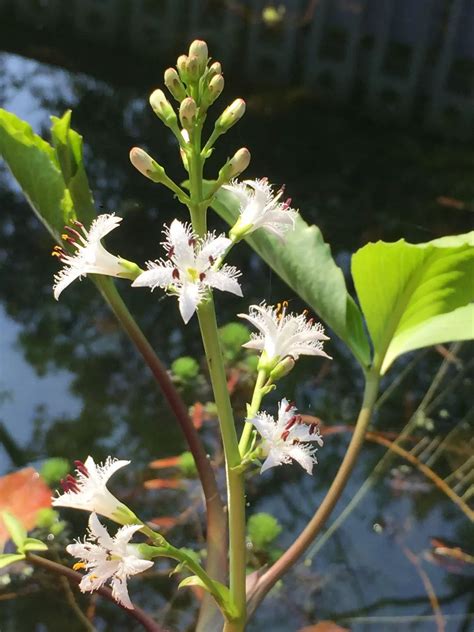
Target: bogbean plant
{"x": 411, "y": 296}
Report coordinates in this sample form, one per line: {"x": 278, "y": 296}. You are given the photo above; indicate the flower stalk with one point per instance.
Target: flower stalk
{"x": 209, "y": 333}
{"x": 317, "y": 522}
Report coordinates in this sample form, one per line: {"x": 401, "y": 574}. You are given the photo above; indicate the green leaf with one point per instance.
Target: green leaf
{"x": 32, "y": 544}
{"x": 415, "y": 295}
{"x": 10, "y": 558}
{"x": 262, "y": 529}
{"x": 16, "y": 530}
{"x": 221, "y": 593}
{"x": 305, "y": 263}
{"x": 34, "y": 165}
{"x": 185, "y": 368}
{"x": 69, "y": 153}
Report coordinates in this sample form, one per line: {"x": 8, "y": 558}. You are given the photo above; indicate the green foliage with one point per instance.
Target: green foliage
{"x": 53, "y": 178}
{"x": 20, "y": 538}
{"x": 49, "y": 519}
{"x": 187, "y": 465}
{"x": 232, "y": 336}
{"x": 15, "y": 529}
{"x": 305, "y": 263}
{"x": 10, "y": 558}
{"x": 263, "y": 529}
{"x": 185, "y": 368}
{"x": 415, "y": 295}
{"x": 54, "y": 469}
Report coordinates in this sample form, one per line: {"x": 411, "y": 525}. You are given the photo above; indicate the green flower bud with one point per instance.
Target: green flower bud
{"x": 193, "y": 70}
{"x": 182, "y": 65}
{"x": 214, "y": 69}
{"x": 229, "y": 117}
{"x": 146, "y": 165}
{"x": 282, "y": 368}
{"x": 163, "y": 108}
{"x": 174, "y": 84}
{"x": 198, "y": 49}
{"x": 187, "y": 113}
{"x": 234, "y": 167}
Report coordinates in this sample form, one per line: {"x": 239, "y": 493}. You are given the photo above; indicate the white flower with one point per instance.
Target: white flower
{"x": 283, "y": 334}
{"x": 287, "y": 438}
{"x": 104, "y": 557}
{"x": 90, "y": 256}
{"x": 190, "y": 269}
{"x": 260, "y": 208}
{"x": 87, "y": 490}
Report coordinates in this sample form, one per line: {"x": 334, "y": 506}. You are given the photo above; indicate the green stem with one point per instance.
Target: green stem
{"x": 209, "y": 333}
{"x": 235, "y": 478}
{"x": 216, "y": 519}
{"x": 314, "y": 526}
{"x": 252, "y": 411}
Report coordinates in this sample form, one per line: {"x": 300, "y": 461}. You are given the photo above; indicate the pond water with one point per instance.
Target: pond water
{"x": 70, "y": 383}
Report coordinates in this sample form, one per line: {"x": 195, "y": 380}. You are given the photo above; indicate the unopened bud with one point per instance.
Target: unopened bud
{"x": 234, "y": 167}
{"x": 146, "y": 165}
{"x": 193, "y": 71}
{"x": 198, "y": 49}
{"x": 174, "y": 84}
{"x": 282, "y": 368}
{"x": 229, "y": 117}
{"x": 163, "y": 108}
{"x": 214, "y": 69}
{"x": 187, "y": 113}
{"x": 216, "y": 85}
{"x": 181, "y": 65}
{"x": 212, "y": 91}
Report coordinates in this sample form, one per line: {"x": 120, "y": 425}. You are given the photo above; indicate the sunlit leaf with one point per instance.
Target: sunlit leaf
{"x": 414, "y": 295}
{"x": 69, "y": 152}
{"x": 16, "y": 530}
{"x": 10, "y": 558}
{"x": 34, "y": 165}
{"x": 306, "y": 264}
{"x": 262, "y": 529}
{"x": 32, "y": 544}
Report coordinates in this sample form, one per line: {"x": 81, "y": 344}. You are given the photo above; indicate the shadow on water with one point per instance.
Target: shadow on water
{"x": 70, "y": 384}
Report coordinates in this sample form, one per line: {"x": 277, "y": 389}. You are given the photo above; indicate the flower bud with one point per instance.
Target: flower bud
{"x": 198, "y": 49}
{"x": 174, "y": 84}
{"x": 229, "y": 117}
{"x": 192, "y": 69}
{"x": 214, "y": 90}
{"x": 187, "y": 113}
{"x": 214, "y": 69}
{"x": 146, "y": 165}
{"x": 181, "y": 65}
{"x": 163, "y": 108}
{"x": 234, "y": 167}
{"x": 282, "y": 368}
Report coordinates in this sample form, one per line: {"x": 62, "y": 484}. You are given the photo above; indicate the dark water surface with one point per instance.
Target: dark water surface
{"x": 70, "y": 383}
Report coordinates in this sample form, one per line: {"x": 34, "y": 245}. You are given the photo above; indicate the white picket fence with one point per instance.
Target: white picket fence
{"x": 400, "y": 58}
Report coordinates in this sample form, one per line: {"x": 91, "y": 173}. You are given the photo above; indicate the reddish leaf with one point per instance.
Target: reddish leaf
{"x": 171, "y": 461}
{"x": 163, "y": 483}
{"x": 164, "y": 522}
{"x": 198, "y": 415}
{"x": 22, "y": 493}
{"x": 324, "y": 626}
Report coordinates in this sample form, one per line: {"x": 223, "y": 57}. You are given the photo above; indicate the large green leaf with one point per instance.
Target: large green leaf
{"x": 34, "y": 165}
{"x": 69, "y": 153}
{"x": 305, "y": 263}
{"x": 53, "y": 178}
{"x": 414, "y": 295}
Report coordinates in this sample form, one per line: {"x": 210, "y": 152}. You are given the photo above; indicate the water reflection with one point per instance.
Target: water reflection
{"x": 77, "y": 386}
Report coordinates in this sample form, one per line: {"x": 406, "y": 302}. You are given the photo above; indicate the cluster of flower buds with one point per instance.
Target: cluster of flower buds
{"x": 195, "y": 84}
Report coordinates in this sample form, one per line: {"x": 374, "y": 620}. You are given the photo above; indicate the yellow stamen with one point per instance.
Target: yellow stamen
{"x": 78, "y": 565}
